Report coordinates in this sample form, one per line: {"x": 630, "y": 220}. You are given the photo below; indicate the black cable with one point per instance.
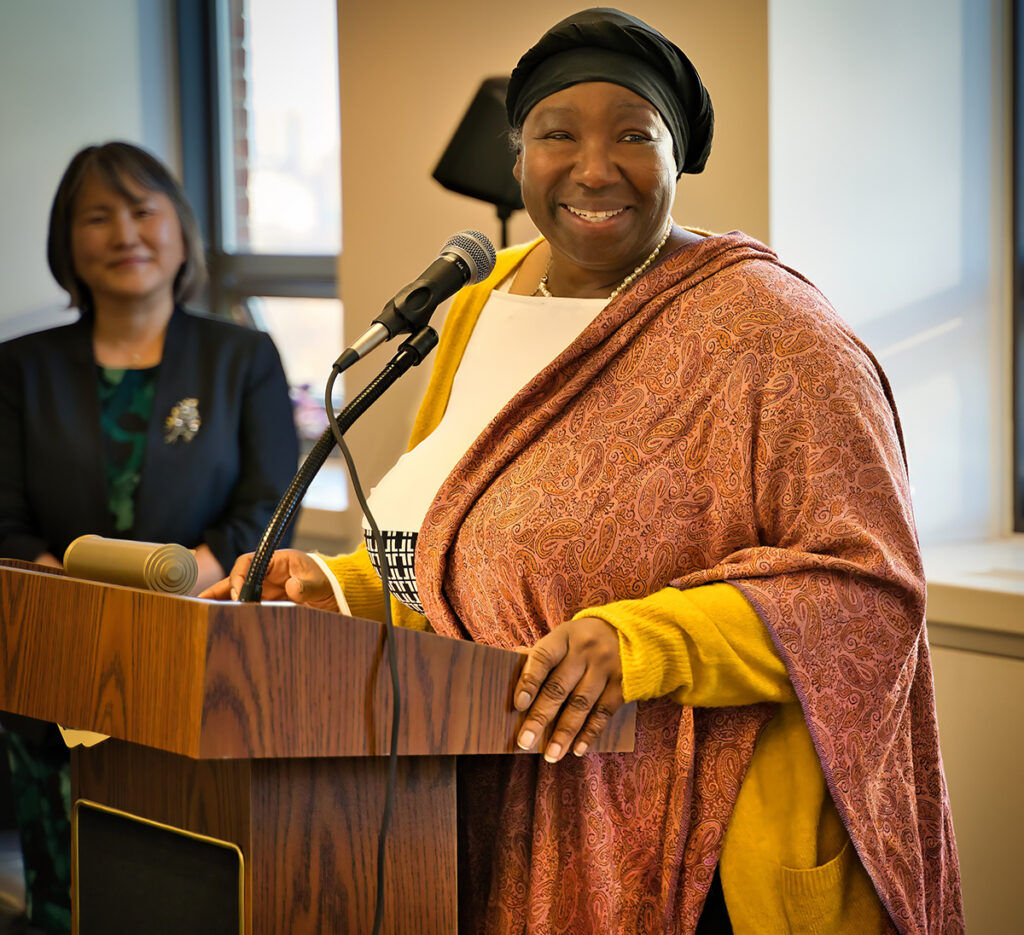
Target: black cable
{"x": 389, "y": 639}
{"x": 415, "y": 349}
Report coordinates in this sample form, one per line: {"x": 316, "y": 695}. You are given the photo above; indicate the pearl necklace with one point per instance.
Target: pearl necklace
{"x": 542, "y": 287}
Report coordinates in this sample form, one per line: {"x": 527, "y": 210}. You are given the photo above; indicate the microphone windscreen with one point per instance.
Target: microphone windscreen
{"x": 169, "y": 568}
{"x": 476, "y": 250}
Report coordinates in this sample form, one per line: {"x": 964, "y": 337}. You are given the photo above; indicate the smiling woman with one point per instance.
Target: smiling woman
{"x": 684, "y": 486}
{"x": 127, "y": 248}
{"x": 99, "y": 183}
{"x": 597, "y": 171}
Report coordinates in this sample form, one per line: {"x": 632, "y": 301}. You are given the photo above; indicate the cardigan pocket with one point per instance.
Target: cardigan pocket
{"x": 836, "y": 898}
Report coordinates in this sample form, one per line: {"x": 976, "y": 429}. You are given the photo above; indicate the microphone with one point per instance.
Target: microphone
{"x": 466, "y": 258}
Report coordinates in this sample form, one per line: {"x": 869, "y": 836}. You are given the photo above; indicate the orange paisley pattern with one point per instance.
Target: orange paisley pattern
{"x": 716, "y": 422}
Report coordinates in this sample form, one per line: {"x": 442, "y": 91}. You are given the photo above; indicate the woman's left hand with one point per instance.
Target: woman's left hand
{"x": 210, "y": 570}
{"x": 576, "y": 670}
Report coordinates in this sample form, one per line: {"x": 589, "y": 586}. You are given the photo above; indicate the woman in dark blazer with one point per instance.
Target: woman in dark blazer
{"x": 139, "y": 421}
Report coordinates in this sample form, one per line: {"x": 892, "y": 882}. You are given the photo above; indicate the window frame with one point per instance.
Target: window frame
{"x": 232, "y": 277}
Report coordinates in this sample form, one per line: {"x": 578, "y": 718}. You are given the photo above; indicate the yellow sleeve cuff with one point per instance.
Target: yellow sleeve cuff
{"x": 359, "y": 583}
{"x": 705, "y": 647}
{"x": 363, "y": 591}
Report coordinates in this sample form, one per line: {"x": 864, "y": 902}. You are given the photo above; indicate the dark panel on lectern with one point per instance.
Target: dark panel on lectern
{"x": 139, "y": 878}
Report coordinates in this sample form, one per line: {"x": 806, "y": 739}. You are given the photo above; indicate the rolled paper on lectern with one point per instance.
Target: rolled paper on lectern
{"x": 169, "y": 568}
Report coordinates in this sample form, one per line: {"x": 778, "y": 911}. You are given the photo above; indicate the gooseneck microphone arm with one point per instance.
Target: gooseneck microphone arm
{"x": 467, "y": 257}
{"x": 410, "y": 353}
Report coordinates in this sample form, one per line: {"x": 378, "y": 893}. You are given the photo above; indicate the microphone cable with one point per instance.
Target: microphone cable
{"x": 389, "y": 639}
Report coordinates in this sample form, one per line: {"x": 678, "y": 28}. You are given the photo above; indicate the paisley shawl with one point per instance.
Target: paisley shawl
{"x": 717, "y": 422}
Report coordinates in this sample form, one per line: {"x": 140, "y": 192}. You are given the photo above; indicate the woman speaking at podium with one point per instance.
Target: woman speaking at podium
{"x": 660, "y": 460}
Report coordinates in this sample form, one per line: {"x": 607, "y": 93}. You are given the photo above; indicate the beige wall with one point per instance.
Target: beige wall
{"x": 408, "y": 70}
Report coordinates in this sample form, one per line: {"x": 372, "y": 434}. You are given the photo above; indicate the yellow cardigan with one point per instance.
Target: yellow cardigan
{"x": 787, "y": 865}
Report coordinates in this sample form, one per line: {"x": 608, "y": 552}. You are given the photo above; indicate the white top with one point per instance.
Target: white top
{"x": 515, "y": 338}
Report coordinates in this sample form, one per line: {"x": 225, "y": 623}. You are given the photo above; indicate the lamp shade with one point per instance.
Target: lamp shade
{"x": 478, "y": 161}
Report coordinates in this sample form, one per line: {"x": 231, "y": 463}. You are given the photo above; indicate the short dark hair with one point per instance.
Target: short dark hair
{"x": 114, "y": 163}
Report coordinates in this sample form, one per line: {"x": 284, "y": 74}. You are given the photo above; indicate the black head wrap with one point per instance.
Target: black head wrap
{"x": 603, "y": 44}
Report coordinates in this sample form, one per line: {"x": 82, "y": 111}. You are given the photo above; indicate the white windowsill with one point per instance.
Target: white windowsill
{"x": 976, "y": 595}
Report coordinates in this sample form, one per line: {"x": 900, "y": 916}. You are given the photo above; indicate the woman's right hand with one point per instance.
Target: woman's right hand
{"x": 291, "y": 575}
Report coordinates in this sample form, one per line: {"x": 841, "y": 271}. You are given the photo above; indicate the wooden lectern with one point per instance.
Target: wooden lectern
{"x": 267, "y": 726}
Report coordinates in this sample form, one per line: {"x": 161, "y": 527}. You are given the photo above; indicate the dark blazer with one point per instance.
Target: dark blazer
{"x": 219, "y": 488}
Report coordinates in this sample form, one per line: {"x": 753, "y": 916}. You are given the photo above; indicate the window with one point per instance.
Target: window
{"x": 261, "y": 164}
{"x": 278, "y": 69}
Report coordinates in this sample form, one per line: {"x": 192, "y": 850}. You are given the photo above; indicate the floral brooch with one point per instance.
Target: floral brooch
{"x": 183, "y": 422}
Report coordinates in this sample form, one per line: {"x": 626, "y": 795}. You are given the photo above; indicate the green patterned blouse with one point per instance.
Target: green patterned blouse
{"x": 126, "y": 404}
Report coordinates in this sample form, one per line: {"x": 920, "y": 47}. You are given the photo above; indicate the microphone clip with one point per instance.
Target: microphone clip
{"x": 412, "y": 307}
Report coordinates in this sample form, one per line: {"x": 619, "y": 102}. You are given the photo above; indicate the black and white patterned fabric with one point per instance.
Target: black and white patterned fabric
{"x": 400, "y": 548}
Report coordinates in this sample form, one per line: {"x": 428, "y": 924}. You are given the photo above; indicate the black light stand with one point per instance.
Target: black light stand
{"x": 479, "y": 160}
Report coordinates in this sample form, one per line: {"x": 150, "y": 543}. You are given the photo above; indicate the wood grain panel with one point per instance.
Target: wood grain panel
{"x": 205, "y": 796}
{"x": 214, "y": 680}
{"x": 121, "y": 661}
{"x": 268, "y": 669}
{"x": 317, "y": 822}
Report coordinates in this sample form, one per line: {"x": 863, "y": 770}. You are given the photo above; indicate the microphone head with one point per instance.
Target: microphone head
{"x": 475, "y": 250}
